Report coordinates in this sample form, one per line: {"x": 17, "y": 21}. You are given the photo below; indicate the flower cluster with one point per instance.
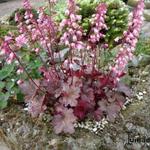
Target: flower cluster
{"x": 26, "y": 4}
{"x": 71, "y": 88}
{"x": 53, "y": 1}
{"x": 130, "y": 39}
{"x": 98, "y": 23}
{"x": 73, "y": 32}
{"x": 6, "y": 50}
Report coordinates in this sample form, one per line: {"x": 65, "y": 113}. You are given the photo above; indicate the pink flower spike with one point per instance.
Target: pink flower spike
{"x": 129, "y": 41}
{"x": 26, "y": 4}
{"x": 8, "y": 38}
{"x": 98, "y": 23}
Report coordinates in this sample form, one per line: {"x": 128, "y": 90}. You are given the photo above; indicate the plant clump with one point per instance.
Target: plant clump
{"x": 71, "y": 86}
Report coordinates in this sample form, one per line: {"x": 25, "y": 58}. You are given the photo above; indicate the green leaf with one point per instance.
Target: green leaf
{"x": 3, "y": 104}
{"x": 4, "y": 100}
{"x": 2, "y": 85}
{"x": 6, "y": 71}
{"x": 10, "y": 85}
{"x": 20, "y": 97}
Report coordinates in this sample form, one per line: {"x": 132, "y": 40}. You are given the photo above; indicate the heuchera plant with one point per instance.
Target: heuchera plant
{"x": 72, "y": 87}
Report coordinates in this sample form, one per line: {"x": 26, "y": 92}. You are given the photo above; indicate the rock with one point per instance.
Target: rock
{"x": 144, "y": 60}
{"x": 7, "y": 142}
{"x": 137, "y": 146}
{"x": 108, "y": 139}
{"x": 130, "y": 126}
{"x": 120, "y": 145}
{"x": 142, "y": 131}
{"x": 147, "y": 14}
{"x": 145, "y": 30}
{"x": 3, "y": 147}
{"x": 133, "y": 3}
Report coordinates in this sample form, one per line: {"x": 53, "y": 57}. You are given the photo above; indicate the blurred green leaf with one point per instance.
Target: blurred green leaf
{"x": 4, "y": 100}
{"x": 6, "y": 71}
{"x": 10, "y": 85}
{"x": 2, "y": 85}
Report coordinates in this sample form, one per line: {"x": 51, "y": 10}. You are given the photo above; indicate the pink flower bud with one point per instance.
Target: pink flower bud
{"x": 20, "y": 82}
{"x": 20, "y": 71}
{"x": 72, "y": 17}
{"x": 37, "y": 50}
{"x": 11, "y": 56}
{"x": 67, "y": 12}
{"x": 74, "y": 38}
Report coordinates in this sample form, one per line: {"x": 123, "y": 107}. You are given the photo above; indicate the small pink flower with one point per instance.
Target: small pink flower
{"x": 10, "y": 58}
{"x": 21, "y": 40}
{"x": 8, "y": 38}
{"x": 20, "y": 71}
{"x": 20, "y": 82}
{"x": 37, "y": 50}
{"x": 17, "y": 17}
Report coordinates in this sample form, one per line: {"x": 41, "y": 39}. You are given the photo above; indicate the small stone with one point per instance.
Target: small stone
{"x": 120, "y": 145}
{"x": 124, "y": 107}
{"x": 108, "y": 139}
{"x": 53, "y": 142}
{"x": 145, "y": 73}
{"x": 142, "y": 130}
{"x": 139, "y": 97}
{"x": 2, "y": 119}
{"x": 129, "y": 126}
{"x": 8, "y": 130}
{"x": 144, "y": 92}
{"x": 140, "y": 93}
{"x": 26, "y": 109}
{"x": 17, "y": 123}
{"x": 95, "y": 129}
{"x": 85, "y": 127}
